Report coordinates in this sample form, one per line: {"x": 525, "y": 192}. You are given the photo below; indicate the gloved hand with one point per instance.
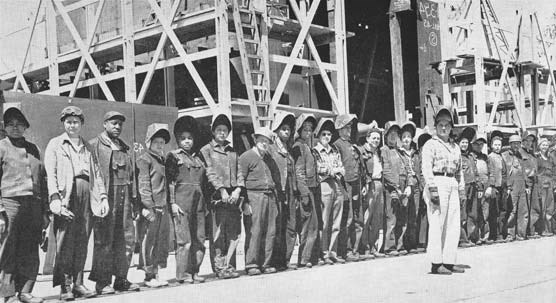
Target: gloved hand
{"x": 104, "y": 207}
{"x": 176, "y": 210}
{"x": 480, "y": 194}
{"x": 528, "y": 191}
{"x": 148, "y": 214}
{"x": 395, "y": 196}
{"x": 407, "y": 191}
{"x": 224, "y": 195}
{"x": 58, "y": 209}
{"x": 2, "y": 224}
{"x": 462, "y": 195}
{"x": 435, "y": 198}
{"x": 364, "y": 190}
{"x": 488, "y": 192}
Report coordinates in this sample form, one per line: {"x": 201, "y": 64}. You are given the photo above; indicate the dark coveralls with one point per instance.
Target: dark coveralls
{"x": 309, "y": 212}
{"x": 22, "y": 204}
{"x": 288, "y": 223}
{"x": 469, "y": 207}
{"x": 223, "y": 171}
{"x": 484, "y": 206}
{"x": 260, "y": 227}
{"x": 497, "y": 175}
{"x": 411, "y": 211}
{"x": 395, "y": 181}
{"x": 533, "y": 199}
{"x": 352, "y": 218}
{"x": 186, "y": 177}
{"x": 154, "y": 234}
{"x": 518, "y": 216}
{"x": 373, "y": 205}
{"x": 114, "y": 235}
{"x": 546, "y": 173}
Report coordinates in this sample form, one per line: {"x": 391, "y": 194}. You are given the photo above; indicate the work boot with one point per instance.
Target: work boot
{"x": 26, "y": 297}
{"x": 337, "y": 259}
{"x": 122, "y": 284}
{"x": 13, "y": 299}
{"x": 152, "y": 281}
{"x": 186, "y": 278}
{"x": 328, "y": 261}
{"x": 306, "y": 265}
{"x": 465, "y": 244}
{"x": 392, "y": 253}
{"x": 438, "y": 269}
{"x": 352, "y": 257}
{"x": 402, "y": 252}
{"x": 519, "y": 238}
{"x": 65, "y": 289}
{"x": 453, "y": 268}
{"x": 82, "y": 291}
{"x": 509, "y": 238}
{"x": 253, "y": 271}
{"x": 103, "y": 289}
{"x": 292, "y": 266}
{"x": 269, "y": 270}
{"x": 547, "y": 234}
{"x": 378, "y": 254}
{"x": 198, "y": 279}
{"x": 499, "y": 239}
{"x": 228, "y": 273}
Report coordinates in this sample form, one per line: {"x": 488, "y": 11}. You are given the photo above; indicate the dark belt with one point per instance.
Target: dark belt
{"x": 378, "y": 179}
{"x": 82, "y": 177}
{"x": 450, "y": 175}
{"x": 265, "y": 191}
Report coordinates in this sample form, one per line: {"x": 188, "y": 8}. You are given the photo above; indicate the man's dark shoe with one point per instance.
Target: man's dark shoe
{"x": 338, "y": 260}
{"x": 26, "y": 297}
{"x": 392, "y": 253}
{"x": 454, "y": 268}
{"x": 438, "y": 269}
{"x": 269, "y": 270}
{"x": 352, "y": 257}
{"x": 306, "y": 265}
{"x": 186, "y": 278}
{"x": 82, "y": 291}
{"x": 519, "y": 238}
{"x": 509, "y": 239}
{"x": 402, "y": 252}
{"x": 547, "y": 234}
{"x": 292, "y": 266}
{"x": 125, "y": 285}
{"x": 378, "y": 254}
{"x": 253, "y": 272}
{"x": 328, "y": 261}
{"x": 104, "y": 289}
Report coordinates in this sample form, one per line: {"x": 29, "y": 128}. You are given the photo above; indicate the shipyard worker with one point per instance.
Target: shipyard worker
{"x": 330, "y": 172}
{"x": 352, "y": 218}
{"x": 423, "y": 224}
{"x": 260, "y": 173}
{"x": 529, "y": 144}
{"x": 114, "y": 234}
{"x": 287, "y": 224}
{"x": 77, "y": 195}
{"x": 186, "y": 179}
{"x": 225, "y": 187}
{"x": 546, "y": 171}
{"x": 309, "y": 212}
{"x": 469, "y": 202}
{"x": 373, "y": 205}
{"x": 395, "y": 185}
{"x": 23, "y": 207}
{"x": 519, "y": 188}
{"x": 154, "y": 222}
{"x": 496, "y": 190}
{"x": 444, "y": 183}
{"x": 410, "y": 209}
{"x": 481, "y": 162}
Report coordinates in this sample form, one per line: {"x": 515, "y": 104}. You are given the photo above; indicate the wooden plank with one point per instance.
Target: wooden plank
{"x": 183, "y": 54}
{"x": 295, "y": 51}
{"x": 52, "y": 48}
{"x": 128, "y": 45}
{"x": 302, "y": 62}
{"x": 19, "y": 70}
{"x": 341, "y": 57}
{"x": 397, "y": 68}
{"x": 83, "y": 49}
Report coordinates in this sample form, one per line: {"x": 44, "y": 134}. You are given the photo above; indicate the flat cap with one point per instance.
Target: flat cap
{"x": 264, "y": 132}
{"x": 71, "y": 111}
{"x": 343, "y": 120}
{"x": 111, "y": 115}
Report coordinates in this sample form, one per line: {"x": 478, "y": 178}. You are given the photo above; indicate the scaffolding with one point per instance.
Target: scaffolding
{"x": 237, "y": 28}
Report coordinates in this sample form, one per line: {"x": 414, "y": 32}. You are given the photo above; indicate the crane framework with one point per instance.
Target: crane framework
{"x": 256, "y": 31}
{"x": 487, "y": 78}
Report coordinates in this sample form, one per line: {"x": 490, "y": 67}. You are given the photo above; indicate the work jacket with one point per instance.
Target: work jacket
{"x": 258, "y": 170}
{"x": 470, "y": 173}
{"x": 222, "y": 166}
{"x": 529, "y": 165}
{"x": 481, "y": 162}
{"x": 286, "y": 167}
{"x": 367, "y": 156}
{"x": 101, "y": 148}
{"x": 151, "y": 177}
{"x": 515, "y": 169}
{"x": 497, "y": 172}
{"x": 305, "y": 167}
{"x": 61, "y": 172}
{"x": 394, "y": 172}
{"x": 546, "y": 168}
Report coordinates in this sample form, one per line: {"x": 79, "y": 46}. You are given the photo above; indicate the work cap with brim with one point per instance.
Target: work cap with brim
{"x": 392, "y": 126}
{"x": 283, "y": 117}
{"x": 529, "y": 133}
{"x": 409, "y": 127}
{"x": 305, "y": 118}
{"x": 467, "y": 133}
{"x": 541, "y": 141}
{"x": 324, "y": 124}
{"x": 264, "y": 132}
{"x": 444, "y": 114}
{"x": 112, "y": 115}
{"x": 186, "y": 124}
{"x": 343, "y": 120}
{"x": 514, "y": 138}
{"x": 480, "y": 138}
{"x": 221, "y": 119}
{"x": 373, "y": 128}
{"x": 71, "y": 110}
{"x": 157, "y": 130}
{"x": 14, "y": 113}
